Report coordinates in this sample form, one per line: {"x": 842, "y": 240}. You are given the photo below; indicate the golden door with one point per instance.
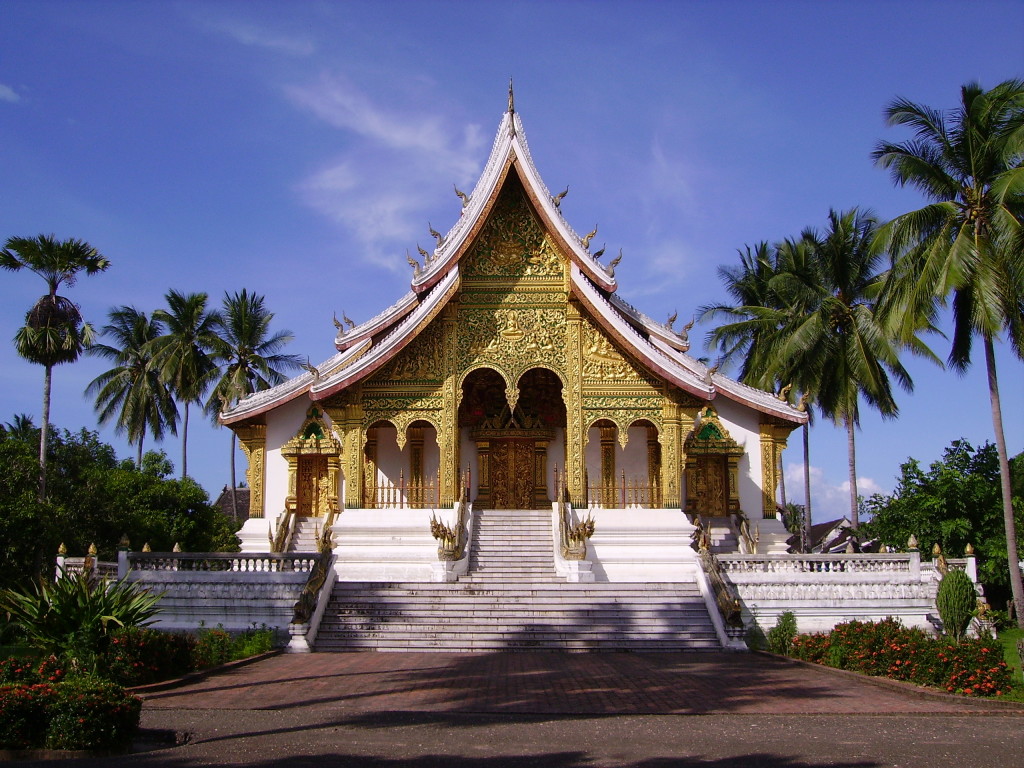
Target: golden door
{"x": 712, "y": 491}
{"x": 311, "y": 489}
{"x": 511, "y": 466}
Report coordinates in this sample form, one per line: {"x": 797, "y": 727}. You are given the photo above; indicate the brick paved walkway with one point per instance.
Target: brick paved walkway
{"x": 548, "y": 683}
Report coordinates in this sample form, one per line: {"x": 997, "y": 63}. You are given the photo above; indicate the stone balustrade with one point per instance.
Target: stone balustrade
{"x": 213, "y": 561}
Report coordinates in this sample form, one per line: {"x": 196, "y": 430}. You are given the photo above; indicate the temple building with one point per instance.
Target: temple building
{"x": 511, "y": 375}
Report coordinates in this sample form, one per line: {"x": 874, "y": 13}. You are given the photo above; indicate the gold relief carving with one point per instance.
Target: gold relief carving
{"x": 398, "y": 404}
{"x": 447, "y": 431}
{"x": 533, "y": 298}
{"x": 512, "y": 468}
{"x": 773, "y": 441}
{"x": 638, "y": 402}
{"x": 420, "y": 361}
{"x": 575, "y": 433}
{"x": 512, "y": 243}
{"x": 602, "y": 361}
{"x": 514, "y": 340}
{"x": 253, "y": 439}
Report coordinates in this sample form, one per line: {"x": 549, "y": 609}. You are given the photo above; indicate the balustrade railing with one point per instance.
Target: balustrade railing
{"x": 222, "y": 561}
{"x": 819, "y": 563}
{"x": 406, "y": 493}
{"x": 626, "y": 493}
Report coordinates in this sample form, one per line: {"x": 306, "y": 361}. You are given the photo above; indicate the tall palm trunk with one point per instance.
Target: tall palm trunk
{"x": 44, "y": 431}
{"x": 807, "y": 488}
{"x": 1016, "y": 583}
{"x": 852, "y": 449}
{"x": 138, "y": 452}
{"x": 184, "y": 443}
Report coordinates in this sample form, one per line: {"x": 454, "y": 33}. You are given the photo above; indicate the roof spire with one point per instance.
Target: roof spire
{"x": 511, "y": 98}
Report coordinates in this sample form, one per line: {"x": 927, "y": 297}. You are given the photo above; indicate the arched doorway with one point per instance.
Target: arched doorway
{"x": 712, "y": 470}
{"x": 512, "y": 440}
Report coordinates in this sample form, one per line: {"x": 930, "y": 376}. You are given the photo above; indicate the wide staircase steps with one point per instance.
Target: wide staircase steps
{"x": 512, "y": 599}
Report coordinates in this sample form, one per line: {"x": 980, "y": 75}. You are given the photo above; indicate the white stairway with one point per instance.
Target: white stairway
{"x": 511, "y": 599}
{"x": 304, "y": 534}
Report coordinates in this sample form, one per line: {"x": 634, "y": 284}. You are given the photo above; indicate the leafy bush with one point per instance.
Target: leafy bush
{"x": 31, "y": 670}
{"x": 780, "y": 637}
{"x": 973, "y": 667}
{"x": 23, "y": 715}
{"x": 253, "y": 642}
{"x": 91, "y": 714}
{"x": 213, "y": 647}
{"x": 956, "y": 601}
{"x": 73, "y": 616}
{"x": 139, "y": 655}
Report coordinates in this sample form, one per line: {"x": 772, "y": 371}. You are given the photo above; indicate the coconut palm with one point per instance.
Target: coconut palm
{"x": 54, "y": 330}
{"x": 967, "y": 241}
{"x": 250, "y": 355}
{"x": 182, "y": 355}
{"x": 132, "y": 392}
{"x": 840, "y": 348}
{"x": 21, "y": 428}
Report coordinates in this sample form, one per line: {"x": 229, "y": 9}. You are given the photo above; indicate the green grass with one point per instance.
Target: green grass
{"x": 1008, "y": 640}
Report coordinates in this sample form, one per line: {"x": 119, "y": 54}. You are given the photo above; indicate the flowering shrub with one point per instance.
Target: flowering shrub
{"x": 23, "y": 715}
{"x": 91, "y": 714}
{"x": 886, "y": 648}
{"x": 26, "y": 670}
{"x": 80, "y": 714}
{"x": 136, "y": 656}
{"x": 213, "y": 647}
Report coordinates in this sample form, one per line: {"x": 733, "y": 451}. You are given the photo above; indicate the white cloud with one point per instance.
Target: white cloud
{"x": 249, "y": 34}
{"x": 375, "y": 188}
{"x": 8, "y": 94}
{"x": 828, "y": 500}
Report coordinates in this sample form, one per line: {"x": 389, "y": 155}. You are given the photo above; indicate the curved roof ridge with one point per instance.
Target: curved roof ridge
{"x": 393, "y": 342}
{"x": 509, "y": 144}
{"x": 345, "y": 339}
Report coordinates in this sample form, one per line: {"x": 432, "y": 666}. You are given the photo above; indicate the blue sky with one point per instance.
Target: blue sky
{"x": 299, "y": 149}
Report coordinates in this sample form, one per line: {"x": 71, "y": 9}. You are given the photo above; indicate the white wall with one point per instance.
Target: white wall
{"x": 283, "y": 424}
{"x": 743, "y": 425}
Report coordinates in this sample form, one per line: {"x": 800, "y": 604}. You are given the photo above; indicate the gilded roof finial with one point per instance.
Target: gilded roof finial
{"x": 511, "y": 98}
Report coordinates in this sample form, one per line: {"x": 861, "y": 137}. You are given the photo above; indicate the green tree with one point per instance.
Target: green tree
{"x": 54, "y": 330}
{"x": 183, "y": 353}
{"x": 132, "y": 392}
{"x": 250, "y": 356}
{"x": 955, "y": 502}
{"x": 967, "y": 241}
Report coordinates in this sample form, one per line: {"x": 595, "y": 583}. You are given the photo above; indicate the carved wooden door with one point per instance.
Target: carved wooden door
{"x": 511, "y": 466}
{"x": 311, "y": 485}
{"x": 712, "y": 491}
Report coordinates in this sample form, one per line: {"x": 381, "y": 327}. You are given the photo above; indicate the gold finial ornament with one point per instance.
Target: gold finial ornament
{"x": 912, "y": 542}
{"x": 348, "y": 320}
{"x": 557, "y": 199}
{"x": 511, "y": 98}
{"x": 969, "y": 550}
{"x": 588, "y": 237}
{"x": 311, "y": 368}
{"x": 422, "y": 251}
{"x": 62, "y": 549}
{"x": 124, "y": 543}
{"x": 412, "y": 262}
{"x": 672, "y": 319}
{"x": 784, "y": 393}
{"x": 599, "y": 253}
{"x": 92, "y": 550}
{"x": 146, "y": 547}
{"x": 337, "y": 324}
{"x": 462, "y": 195}
{"x": 936, "y": 550}
{"x": 176, "y": 548}
{"x": 615, "y": 262}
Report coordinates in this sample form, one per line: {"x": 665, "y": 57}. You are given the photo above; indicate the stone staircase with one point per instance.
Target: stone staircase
{"x": 512, "y": 599}
{"x": 304, "y": 534}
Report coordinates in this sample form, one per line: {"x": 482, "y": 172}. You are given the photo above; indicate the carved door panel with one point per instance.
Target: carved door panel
{"x": 511, "y": 465}
{"x": 311, "y": 485}
{"x": 712, "y": 491}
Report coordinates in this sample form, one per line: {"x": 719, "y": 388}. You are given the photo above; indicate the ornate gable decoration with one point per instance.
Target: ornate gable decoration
{"x": 314, "y": 437}
{"x": 709, "y": 435}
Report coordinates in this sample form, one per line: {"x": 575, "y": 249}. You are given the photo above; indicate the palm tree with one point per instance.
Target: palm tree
{"x": 54, "y": 330}
{"x": 967, "y": 241}
{"x": 132, "y": 391}
{"x": 183, "y": 354}
{"x": 250, "y": 356}
{"x": 839, "y": 349}
{"x": 21, "y": 428}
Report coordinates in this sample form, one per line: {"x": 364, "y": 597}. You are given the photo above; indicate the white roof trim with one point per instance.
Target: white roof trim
{"x": 510, "y": 141}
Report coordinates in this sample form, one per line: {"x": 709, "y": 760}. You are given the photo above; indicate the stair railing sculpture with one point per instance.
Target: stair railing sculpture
{"x": 452, "y": 542}
{"x": 573, "y": 538}
{"x": 748, "y": 542}
{"x": 726, "y": 597}
{"x": 279, "y": 542}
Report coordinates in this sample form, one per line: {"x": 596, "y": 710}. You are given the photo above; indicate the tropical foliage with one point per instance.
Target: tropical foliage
{"x": 54, "y": 330}
{"x": 132, "y": 393}
{"x": 967, "y": 242}
{"x": 952, "y": 503}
